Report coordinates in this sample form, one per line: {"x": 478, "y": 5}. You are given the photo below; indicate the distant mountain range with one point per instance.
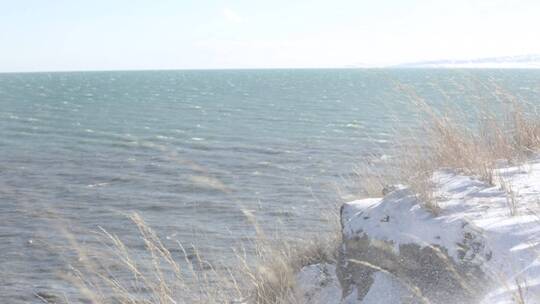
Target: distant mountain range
{"x": 523, "y": 61}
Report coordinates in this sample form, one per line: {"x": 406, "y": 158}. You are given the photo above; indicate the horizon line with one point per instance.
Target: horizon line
{"x": 390, "y": 67}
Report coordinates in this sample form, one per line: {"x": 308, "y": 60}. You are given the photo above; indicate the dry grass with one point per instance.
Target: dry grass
{"x": 518, "y": 295}
{"x": 155, "y": 277}
{"x": 267, "y": 276}
{"x": 447, "y": 140}
{"x": 511, "y": 195}
{"x": 274, "y": 279}
{"x": 372, "y": 182}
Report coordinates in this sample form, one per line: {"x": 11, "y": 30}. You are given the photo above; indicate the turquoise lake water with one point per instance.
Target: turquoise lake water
{"x": 192, "y": 150}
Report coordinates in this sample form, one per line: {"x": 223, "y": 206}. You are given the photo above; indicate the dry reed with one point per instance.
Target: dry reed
{"x": 267, "y": 276}
{"x": 508, "y": 132}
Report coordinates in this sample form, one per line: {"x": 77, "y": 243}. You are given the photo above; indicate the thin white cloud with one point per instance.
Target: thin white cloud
{"x": 231, "y": 15}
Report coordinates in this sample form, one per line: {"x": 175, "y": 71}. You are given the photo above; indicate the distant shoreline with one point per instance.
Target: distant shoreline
{"x": 397, "y": 67}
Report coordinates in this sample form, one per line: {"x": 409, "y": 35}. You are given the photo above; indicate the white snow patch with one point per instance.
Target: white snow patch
{"x": 466, "y": 203}
{"x": 400, "y": 219}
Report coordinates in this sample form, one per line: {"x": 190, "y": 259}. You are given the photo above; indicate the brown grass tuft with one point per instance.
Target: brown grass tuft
{"x": 505, "y": 132}
{"x": 159, "y": 277}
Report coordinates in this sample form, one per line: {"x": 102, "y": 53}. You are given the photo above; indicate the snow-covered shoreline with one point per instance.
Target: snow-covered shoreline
{"x": 489, "y": 234}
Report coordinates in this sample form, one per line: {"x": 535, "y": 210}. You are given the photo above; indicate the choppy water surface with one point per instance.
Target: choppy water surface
{"x": 190, "y": 150}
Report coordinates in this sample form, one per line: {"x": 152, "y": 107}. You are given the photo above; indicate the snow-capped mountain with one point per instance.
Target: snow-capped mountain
{"x": 522, "y": 61}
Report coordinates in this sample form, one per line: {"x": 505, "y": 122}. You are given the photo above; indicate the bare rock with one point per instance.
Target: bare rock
{"x": 434, "y": 259}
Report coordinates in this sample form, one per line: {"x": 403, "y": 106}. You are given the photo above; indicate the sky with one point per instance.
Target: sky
{"x": 72, "y": 35}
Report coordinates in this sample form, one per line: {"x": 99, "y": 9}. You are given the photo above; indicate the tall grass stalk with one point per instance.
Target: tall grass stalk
{"x": 267, "y": 276}
{"x": 508, "y": 132}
